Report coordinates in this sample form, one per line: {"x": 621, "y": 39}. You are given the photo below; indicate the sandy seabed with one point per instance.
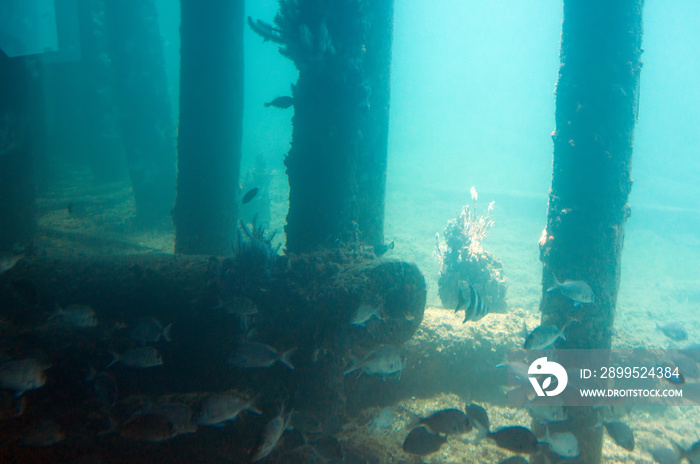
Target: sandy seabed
{"x": 659, "y": 284}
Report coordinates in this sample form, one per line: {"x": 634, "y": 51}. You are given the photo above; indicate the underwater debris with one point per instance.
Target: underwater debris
{"x": 462, "y": 259}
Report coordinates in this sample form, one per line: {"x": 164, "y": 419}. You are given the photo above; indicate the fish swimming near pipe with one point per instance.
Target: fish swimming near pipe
{"x": 249, "y": 195}
{"x": 577, "y": 290}
{"x": 280, "y": 102}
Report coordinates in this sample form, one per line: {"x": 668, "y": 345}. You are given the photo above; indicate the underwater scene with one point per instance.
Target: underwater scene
{"x": 349, "y": 231}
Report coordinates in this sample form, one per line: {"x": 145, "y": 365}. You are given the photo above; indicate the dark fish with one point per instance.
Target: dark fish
{"x": 422, "y": 442}
{"x": 382, "y": 248}
{"x": 69, "y": 208}
{"x": 674, "y": 330}
{"x": 674, "y": 375}
{"x": 475, "y": 309}
{"x": 692, "y": 454}
{"x": 447, "y": 422}
{"x": 664, "y": 455}
{"x": 281, "y": 102}
{"x": 479, "y": 418}
{"x": 686, "y": 365}
{"x": 517, "y": 439}
{"x": 621, "y": 433}
{"x": 577, "y": 290}
{"x": 249, "y": 195}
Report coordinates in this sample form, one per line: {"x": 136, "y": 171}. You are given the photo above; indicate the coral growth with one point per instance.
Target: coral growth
{"x": 462, "y": 258}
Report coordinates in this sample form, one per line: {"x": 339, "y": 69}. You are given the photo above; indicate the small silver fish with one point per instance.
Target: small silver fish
{"x": 254, "y": 355}
{"x": 564, "y": 444}
{"x": 22, "y": 375}
{"x": 219, "y": 408}
{"x": 577, "y": 290}
{"x": 271, "y": 436}
{"x": 543, "y": 337}
{"x": 73, "y": 316}
{"x": 150, "y": 330}
{"x": 364, "y": 313}
{"x": 384, "y": 361}
{"x": 140, "y": 358}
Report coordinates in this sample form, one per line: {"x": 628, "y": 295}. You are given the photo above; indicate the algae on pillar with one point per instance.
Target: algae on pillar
{"x": 597, "y": 98}
{"x": 210, "y": 129}
{"x": 337, "y": 161}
